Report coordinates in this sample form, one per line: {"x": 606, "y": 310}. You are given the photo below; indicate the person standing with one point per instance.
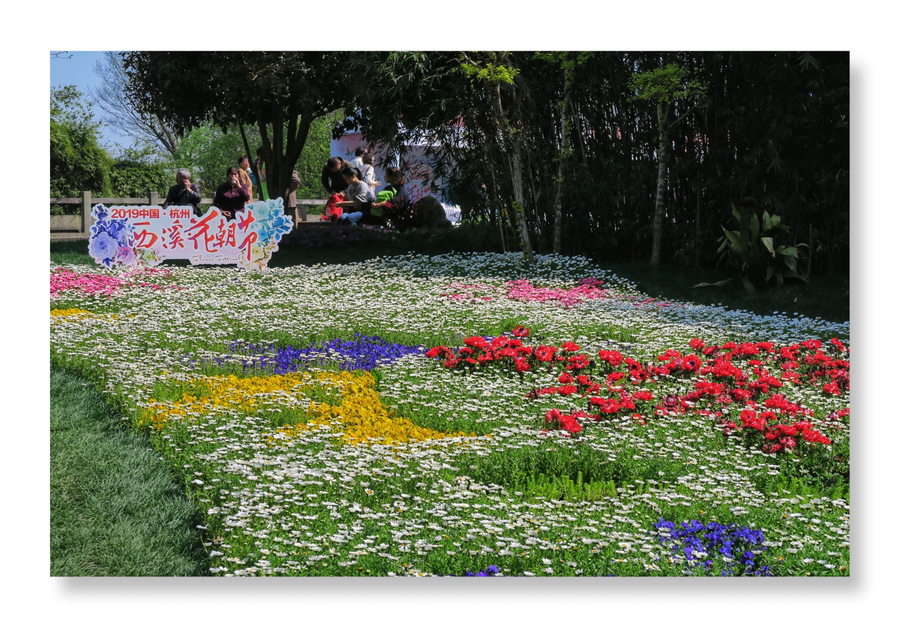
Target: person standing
{"x": 245, "y": 174}
{"x": 357, "y": 161}
{"x": 332, "y": 180}
{"x": 368, "y": 171}
{"x": 232, "y": 195}
{"x": 260, "y": 167}
{"x": 292, "y": 200}
{"x": 183, "y": 193}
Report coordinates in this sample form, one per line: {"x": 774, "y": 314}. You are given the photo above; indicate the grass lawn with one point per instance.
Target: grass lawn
{"x": 115, "y": 510}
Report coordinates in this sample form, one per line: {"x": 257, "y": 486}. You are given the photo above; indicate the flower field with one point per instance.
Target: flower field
{"x": 472, "y": 415}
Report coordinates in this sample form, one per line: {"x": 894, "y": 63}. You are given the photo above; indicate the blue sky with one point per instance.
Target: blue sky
{"x": 78, "y": 70}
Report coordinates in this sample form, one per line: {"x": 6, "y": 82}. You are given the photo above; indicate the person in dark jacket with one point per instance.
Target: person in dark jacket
{"x": 183, "y": 193}
{"x": 332, "y": 179}
{"x": 232, "y": 195}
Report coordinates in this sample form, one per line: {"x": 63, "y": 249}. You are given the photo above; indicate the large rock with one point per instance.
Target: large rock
{"x": 430, "y": 214}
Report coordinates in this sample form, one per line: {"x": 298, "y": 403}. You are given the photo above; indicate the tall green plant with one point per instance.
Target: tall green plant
{"x": 77, "y": 161}
{"x": 758, "y": 249}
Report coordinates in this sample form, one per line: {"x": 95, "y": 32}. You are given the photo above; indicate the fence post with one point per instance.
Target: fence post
{"x": 86, "y": 218}
{"x": 154, "y": 199}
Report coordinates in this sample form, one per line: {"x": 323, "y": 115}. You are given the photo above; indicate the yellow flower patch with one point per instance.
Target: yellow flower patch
{"x": 362, "y": 418}
{"x": 68, "y": 312}
{"x": 356, "y": 410}
{"x": 58, "y": 315}
{"x": 228, "y": 392}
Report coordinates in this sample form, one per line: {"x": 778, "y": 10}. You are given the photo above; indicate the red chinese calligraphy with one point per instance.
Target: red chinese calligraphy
{"x": 173, "y": 236}
{"x": 144, "y": 238}
{"x": 203, "y": 230}
{"x": 247, "y": 244}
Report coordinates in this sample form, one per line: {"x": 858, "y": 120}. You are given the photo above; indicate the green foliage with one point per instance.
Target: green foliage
{"x": 207, "y": 151}
{"x": 135, "y": 179}
{"x": 315, "y": 153}
{"x": 567, "y": 60}
{"x": 278, "y": 93}
{"x": 566, "y": 489}
{"x": 666, "y": 84}
{"x": 491, "y": 73}
{"x": 757, "y": 249}
{"x": 77, "y": 162}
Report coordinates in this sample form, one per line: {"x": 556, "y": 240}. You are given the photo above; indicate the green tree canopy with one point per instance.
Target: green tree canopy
{"x": 280, "y": 93}
{"x": 77, "y": 161}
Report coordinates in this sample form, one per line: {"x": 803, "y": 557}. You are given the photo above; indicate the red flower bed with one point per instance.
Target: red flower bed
{"x": 750, "y": 378}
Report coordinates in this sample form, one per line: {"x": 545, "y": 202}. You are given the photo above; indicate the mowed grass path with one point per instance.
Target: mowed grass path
{"x": 114, "y": 510}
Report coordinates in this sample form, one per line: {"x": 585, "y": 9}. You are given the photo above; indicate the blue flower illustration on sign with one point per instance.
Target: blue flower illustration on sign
{"x": 112, "y": 240}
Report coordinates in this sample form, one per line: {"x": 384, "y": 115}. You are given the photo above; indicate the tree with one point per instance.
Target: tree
{"x": 664, "y": 86}
{"x": 77, "y": 162}
{"x": 771, "y": 133}
{"x": 315, "y": 154}
{"x": 495, "y": 73}
{"x": 207, "y": 151}
{"x": 280, "y": 93}
{"x": 136, "y": 173}
{"x": 568, "y": 61}
{"x": 119, "y": 105}
{"x": 463, "y": 106}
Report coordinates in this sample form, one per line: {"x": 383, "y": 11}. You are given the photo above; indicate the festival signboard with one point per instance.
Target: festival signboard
{"x": 148, "y": 235}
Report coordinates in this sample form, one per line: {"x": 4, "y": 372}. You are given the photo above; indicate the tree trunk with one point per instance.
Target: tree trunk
{"x": 282, "y": 152}
{"x": 660, "y": 208}
{"x": 500, "y": 211}
{"x": 164, "y": 134}
{"x": 508, "y": 138}
{"x": 563, "y": 153}
{"x": 519, "y": 200}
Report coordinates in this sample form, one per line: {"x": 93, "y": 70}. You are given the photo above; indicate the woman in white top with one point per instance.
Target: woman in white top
{"x": 368, "y": 171}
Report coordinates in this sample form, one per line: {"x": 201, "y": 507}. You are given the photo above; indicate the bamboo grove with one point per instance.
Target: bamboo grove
{"x": 539, "y": 137}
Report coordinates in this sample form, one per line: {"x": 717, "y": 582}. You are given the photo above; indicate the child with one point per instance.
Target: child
{"x": 358, "y": 196}
{"x": 391, "y": 198}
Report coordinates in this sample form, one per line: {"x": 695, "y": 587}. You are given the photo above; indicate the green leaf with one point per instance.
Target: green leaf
{"x": 754, "y": 228}
{"x": 748, "y": 285}
{"x": 768, "y": 242}
{"x": 791, "y": 263}
{"x": 736, "y": 243}
{"x": 716, "y": 284}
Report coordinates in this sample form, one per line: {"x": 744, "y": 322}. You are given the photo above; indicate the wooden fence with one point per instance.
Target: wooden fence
{"x": 79, "y": 225}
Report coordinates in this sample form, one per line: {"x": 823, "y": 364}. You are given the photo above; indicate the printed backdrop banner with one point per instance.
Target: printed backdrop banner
{"x": 135, "y": 236}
